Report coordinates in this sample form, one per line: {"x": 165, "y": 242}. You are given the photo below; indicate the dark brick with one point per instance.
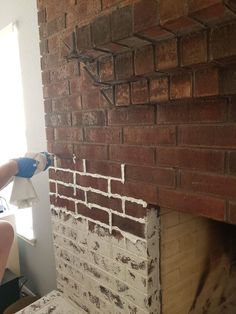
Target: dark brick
{"x": 146, "y": 15}
{"x": 124, "y": 66}
{"x": 139, "y": 92}
{"x": 122, "y": 94}
{"x": 127, "y": 225}
{"x": 144, "y": 60}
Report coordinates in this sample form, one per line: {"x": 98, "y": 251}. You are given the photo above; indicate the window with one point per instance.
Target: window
{"x": 12, "y": 122}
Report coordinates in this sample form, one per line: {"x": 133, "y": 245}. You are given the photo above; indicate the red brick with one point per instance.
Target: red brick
{"x": 198, "y": 159}
{"x": 46, "y": 77}
{"x": 211, "y": 136}
{"x": 52, "y": 187}
{"x": 135, "y": 210}
{"x": 91, "y": 151}
{"x": 136, "y": 190}
{"x": 93, "y": 118}
{"x": 69, "y": 134}
{"x": 144, "y": 60}
{"x": 228, "y": 80}
{"x": 181, "y": 85}
{"x": 87, "y": 9}
{"x": 166, "y": 54}
{"x": 74, "y": 85}
{"x": 132, "y": 154}
{"x": 101, "y": 31}
{"x": 65, "y": 71}
{"x": 199, "y": 111}
{"x": 211, "y": 76}
{"x": 182, "y": 25}
{"x": 210, "y": 184}
{"x": 156, "y": 33}
{"x": 70, "y": 103}
{"x": 232, "y": 213}
{"x": 210, "y": 13}
{"x": 65, "y": 190}
{"x": 69, "y": 163}
{"x": 47, "y": 106}
{"x": 77, "y": 119}
{"x": 105, "y": 201}
{"x": 222, "y": 42}
{"x": 124, "y": 66}
{"x": 170, "y": 10}
{"x": 103, "y": 135}
{"x": 131, "y": 116}
{"x": 56, "y": 89}
{"x": 56, "y": 25}
{"x": 159, "y": 89}
{"x": 59, "y": 119}
{"x": 91, "y": 99}
{"x": 94, "y": 183}
{"x": 232, "y": 162}
{"x": 158, "y": 176}
{"x": 129, "y": 225}
{"x": 59, "y": 175}
{"x": 64, "y": 203}
{"x": 84, "y": 38}
{"x": 122, "y": 23}
{"x": 194, "y": 48}
{"x": 197, "y": 5}
{"x": 146, "y": 15}
{"x": 60, "y": 149}
{"x": 93, "y": 213}
{"x": 53, "y": 44}
{"x": 150, "y": 135}
{"x": 139, "y": 92}
{"x": 105, "y": 168}
{"x": 50, "y": 134}
{"x": 122, "y": 94}
{"x": 191, "y": 203}
{"x": 109, "y": 3}
{"x": 106, "y": 69}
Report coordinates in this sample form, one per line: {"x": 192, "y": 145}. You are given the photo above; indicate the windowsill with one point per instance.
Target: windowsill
{"x": 27, "y": 236}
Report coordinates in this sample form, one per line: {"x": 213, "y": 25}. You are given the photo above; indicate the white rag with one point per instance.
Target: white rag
{"x": 23, "y": 194}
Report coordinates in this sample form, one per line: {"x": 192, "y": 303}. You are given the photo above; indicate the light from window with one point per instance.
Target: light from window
{"x": 12, "y": 117}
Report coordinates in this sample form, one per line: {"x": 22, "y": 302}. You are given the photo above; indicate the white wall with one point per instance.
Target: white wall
{"x": 37, "y": 263}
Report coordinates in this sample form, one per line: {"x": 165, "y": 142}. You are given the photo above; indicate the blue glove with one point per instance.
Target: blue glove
{"x": 26, "y": 167}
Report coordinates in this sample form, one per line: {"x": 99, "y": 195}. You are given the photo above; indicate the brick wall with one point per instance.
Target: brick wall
{"x": 140, "y": 113}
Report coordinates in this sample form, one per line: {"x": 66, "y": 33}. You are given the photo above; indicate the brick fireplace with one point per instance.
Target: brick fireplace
{"x": 140, "y": 114}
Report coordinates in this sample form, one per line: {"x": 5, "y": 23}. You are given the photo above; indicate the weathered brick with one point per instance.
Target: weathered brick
{"x": 56, "y": 89}
{"x": 105, "y": 201}
{"x": 101, "y": 31}
{"x": 103, "y": 135}
{"x": 210, "y": 11}
{"x": 172, "y": 11}
{"x": 210, "y": 184}
{"x": 121, "y": 23}
{"x": 196, "y": 204}
{"x": 211, "y": 76}
{"x": 64, "y": 203}
{"x": 68, "y": 134}
{"x": 58, "y": 119}
{"x": 232, "y": 162}
{"x": 131, "y": 116}
{"x": 93, "y": 213}
{"x": 144, "y": 60}
{"x": 194, "y": 48}
{"x": 93, "y": 118}
{"x": 91, "y": 99}
{"x": 228, "y": 80}
{"x": 74, "y": 85}
{"x": 49, "y": 134}
{"x": 145, "y": 15}
{"x": 139, "y": 92}
{"x": 198, "y": 111}
{"x": 87, "y": 9}
{"x": 159, "y": 89}
{"x": 106, "y": 69}
{"x": 127, "y": 224}
{"x": 56, "y": 25}
{"x": 158, "y": 176}
{"x": 211, "y": 136}
{"x": 132, "y": 154}
{"x": 222, "y": 43}
{"x": 124, "y": 66}
{"x": 199, "y": 159}
{"x": 150, "y": 135}
{"x": 181, "y": 85}
{"x": 122, "y": 94}
{"x": 91, "y": 151}
{"x": 84, "y": 38}
{"x": 232, "y": 213}
{"x": 70, "y": 103}
{"x": 166, "y": 54}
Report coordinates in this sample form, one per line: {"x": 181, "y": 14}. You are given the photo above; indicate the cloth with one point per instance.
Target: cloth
{"x": 23, "y": 194}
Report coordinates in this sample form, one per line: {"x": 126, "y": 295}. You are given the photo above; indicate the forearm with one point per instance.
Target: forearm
{"x": 7, "y": 171}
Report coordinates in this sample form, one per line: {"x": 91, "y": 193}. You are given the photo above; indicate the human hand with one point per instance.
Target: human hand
{"x": 48, "y": 160}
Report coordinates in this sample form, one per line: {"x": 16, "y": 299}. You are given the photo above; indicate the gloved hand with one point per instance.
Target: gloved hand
{"x": 26, "y": 167}
{"x": 49, "y": 160}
